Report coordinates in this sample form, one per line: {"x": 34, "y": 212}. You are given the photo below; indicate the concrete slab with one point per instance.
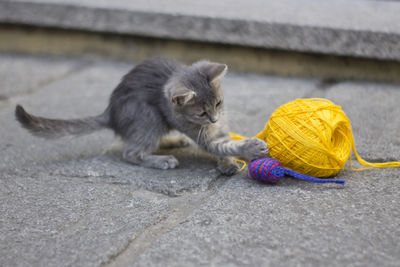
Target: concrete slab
{"x": 251, "y": 99}
{"x": 340, "y": 27}
{"x": 289, "y": 224}
{"x": 285, "y": 11}
{"x": 195, "y": 173}
{"x": 75, "y": 202}
{"x": 64, "y": 221}
{"x": 22, "y": 74}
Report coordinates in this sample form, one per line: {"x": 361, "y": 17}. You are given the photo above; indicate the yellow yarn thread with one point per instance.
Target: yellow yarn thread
{"x": 313, "y": 137}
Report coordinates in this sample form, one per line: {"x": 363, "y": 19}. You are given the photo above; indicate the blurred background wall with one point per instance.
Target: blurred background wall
{"x": 335, "y": 39}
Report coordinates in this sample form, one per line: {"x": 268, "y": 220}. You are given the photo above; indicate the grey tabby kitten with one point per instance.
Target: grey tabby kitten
{"x": 155, "y": 97}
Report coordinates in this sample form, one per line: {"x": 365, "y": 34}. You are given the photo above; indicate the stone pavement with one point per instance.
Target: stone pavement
{"x": 74, "y": 202}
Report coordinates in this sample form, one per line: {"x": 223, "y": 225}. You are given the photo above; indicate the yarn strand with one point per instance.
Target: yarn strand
{"x": 391, "y": 164}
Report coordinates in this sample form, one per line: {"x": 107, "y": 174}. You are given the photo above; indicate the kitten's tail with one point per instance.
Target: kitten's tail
{"x": 55, "y": 128}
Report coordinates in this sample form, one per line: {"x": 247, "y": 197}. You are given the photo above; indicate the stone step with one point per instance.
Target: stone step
{"x": 356, "y": 28}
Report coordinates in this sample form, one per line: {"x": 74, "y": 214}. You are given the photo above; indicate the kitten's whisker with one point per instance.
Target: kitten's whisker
{"x": 198, "y": 139}
{"x": 199, "y": 134}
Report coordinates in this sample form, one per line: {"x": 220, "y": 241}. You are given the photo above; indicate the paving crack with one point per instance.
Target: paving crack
{"x": 123, "y": 249}
{"x": 182, "y": 207}
{"x": 50, "y": 80}
{"x": 6, "y": 101}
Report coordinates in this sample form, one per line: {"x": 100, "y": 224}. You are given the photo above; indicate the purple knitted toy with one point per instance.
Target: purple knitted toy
{"x": 271, "y": 171}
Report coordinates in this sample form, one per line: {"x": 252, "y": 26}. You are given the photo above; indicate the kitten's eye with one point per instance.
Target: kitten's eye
{"x": 219, "y": 103}
{"x": 203, "y": 114}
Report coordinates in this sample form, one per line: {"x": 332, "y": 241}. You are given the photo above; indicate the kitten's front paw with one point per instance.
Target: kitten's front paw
{"x": 255, "y": 148}
{"x": 228, "y": 167}
{"x": 228, "y": 170}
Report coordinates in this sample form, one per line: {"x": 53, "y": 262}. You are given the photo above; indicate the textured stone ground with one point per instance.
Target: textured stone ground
{"x": 74, "y": 202}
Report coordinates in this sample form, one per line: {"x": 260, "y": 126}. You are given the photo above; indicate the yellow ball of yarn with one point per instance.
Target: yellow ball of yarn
{"x": 310, "y": 136}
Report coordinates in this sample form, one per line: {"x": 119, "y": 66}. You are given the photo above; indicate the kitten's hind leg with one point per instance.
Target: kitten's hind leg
{"x": 143, "y": 156}
{"x": 152, "y": 161}
{"x": 140, "y": 148}
{"x": 142, "y": 129}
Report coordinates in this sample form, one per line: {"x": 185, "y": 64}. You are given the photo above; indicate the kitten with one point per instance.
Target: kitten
{"x": 155, "y": 97}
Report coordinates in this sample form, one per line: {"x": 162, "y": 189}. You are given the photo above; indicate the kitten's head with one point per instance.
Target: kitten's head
{"x": 196, "y": 94}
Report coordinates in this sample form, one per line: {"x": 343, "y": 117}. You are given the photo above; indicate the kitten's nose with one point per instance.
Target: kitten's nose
{"x": 213, "y": 119}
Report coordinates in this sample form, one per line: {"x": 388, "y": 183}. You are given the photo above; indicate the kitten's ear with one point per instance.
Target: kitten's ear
{"x": 182, "y": 95}
{"x": 214, "y": 71}
{"x": 217, "y": 71}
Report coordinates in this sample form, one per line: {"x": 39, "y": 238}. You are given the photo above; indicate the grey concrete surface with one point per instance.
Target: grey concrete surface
{"x": 29, "y": 67}
{"x": 61, "y": 221}
{"x": 290, "y": 224}
{"x": 75, "y": 202}
{"x": 341, "y": 27}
